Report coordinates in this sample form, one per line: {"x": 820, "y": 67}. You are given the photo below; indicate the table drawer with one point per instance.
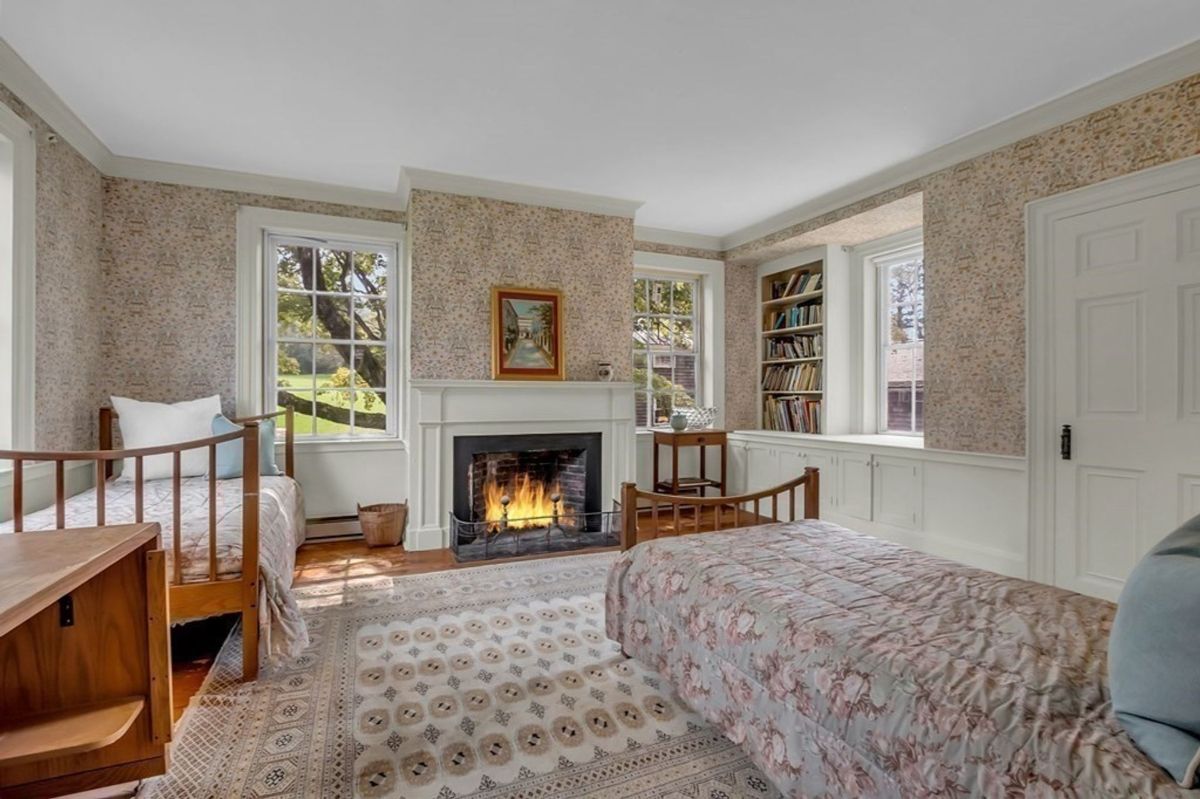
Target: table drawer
{"x": 695, "y": 438}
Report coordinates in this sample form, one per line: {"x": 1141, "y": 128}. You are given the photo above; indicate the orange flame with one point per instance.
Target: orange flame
{"x": 529, "y": 505}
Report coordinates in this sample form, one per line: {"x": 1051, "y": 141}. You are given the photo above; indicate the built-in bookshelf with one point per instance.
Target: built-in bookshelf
{"x": 793, "y": 333}
{"x": 794, "y": 372}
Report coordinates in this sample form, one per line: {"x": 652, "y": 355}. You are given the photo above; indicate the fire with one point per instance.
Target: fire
{"x": 529, "y": 506}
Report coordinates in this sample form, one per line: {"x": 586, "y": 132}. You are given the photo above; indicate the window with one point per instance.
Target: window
{"x": 331, "y": 335}
{"x": 666, "y": 346}
{"x": 901, "y": 280}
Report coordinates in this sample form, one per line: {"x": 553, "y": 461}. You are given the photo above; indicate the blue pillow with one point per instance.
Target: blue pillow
{"x": 1154, "y": 654}
{"x": 229, "y": 453}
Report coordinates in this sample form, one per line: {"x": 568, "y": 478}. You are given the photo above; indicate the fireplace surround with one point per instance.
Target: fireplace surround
{"x": 439, "y": 411}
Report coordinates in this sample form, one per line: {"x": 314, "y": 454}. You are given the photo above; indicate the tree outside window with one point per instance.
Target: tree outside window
{"x": 332, "y": 342}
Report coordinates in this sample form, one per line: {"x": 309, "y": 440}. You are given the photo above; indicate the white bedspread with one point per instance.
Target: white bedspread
{"x": 281, "y": 532}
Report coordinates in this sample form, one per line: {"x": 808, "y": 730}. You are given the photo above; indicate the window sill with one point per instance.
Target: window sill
{"x": 347, "y": 445}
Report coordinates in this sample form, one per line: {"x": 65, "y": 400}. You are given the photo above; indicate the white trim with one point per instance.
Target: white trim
{"x": 904, "y": 446}
{"x": 321, "y": 446}
{"x": 20, "y": 328}
{"x": 29, "y": 87}
{"x": 676, "y": 238}
{"x": 120, "y": 166}
{"x": 712, "y": 317}
{"x": 1118, "y": 87}
{"x": 520, "y": 193}
{"x": 1040, "y": 422}
{"x": 864, "y": 289}
{"x": 882, "y": 307}
{"x": 253, "y": 225}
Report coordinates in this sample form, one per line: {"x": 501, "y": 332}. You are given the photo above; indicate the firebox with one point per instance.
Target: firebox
{"x": 528, "y": 494}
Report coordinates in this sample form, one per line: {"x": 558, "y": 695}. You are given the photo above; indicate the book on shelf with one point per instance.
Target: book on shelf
{"x": 798, "y": 283}
{"x": 806, "y": 345}
{"x": 792, "y": 414}
{"x": 797, "y": 316}
{"x": 798, "y": 377}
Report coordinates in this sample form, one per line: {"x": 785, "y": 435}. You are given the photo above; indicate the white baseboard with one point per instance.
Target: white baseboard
{"x": 425, "y": 538}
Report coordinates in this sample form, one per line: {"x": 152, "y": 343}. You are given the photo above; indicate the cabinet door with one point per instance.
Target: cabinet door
{"x": 823, "y": 462}
{"x": 898, "y": 492}
{"x": 853, "y": 493}
{"x": 762, "y": 468}
{"x": 738, "y": 466}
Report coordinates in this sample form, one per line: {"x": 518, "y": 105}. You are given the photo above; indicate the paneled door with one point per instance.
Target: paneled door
{"x": 1127, "y": 381}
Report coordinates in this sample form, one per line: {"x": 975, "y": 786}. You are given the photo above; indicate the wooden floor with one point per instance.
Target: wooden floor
{"x": 194, "y": 645}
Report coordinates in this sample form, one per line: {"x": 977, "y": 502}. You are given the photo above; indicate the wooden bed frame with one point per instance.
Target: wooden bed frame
{"x": 188, "y": 599}
{"x": 633, "y": 500}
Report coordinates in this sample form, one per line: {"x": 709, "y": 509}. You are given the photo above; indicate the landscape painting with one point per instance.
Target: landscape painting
{"x": 527, "y": 334}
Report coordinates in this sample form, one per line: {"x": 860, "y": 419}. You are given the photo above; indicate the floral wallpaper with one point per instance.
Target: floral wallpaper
{"x": 170, "y": 307}
{"x": 975, "y": 255}
{"x": 675, "y": 249}
{"x": 462, "y": 246}
{"x": 69, "y": 213}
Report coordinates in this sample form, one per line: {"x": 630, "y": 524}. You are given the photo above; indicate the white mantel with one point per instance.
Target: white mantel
{"x": 444, "y": 409}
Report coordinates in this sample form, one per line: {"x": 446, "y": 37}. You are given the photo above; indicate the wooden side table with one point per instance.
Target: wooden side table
{"x": 689, "y": 438}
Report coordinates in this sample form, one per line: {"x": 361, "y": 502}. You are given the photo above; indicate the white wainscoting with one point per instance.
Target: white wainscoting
{"x": 339, "y": 476}
{"x": 968, "y": 507}
{"x": 441, "y": 410}
{"x": 39, "y": 484}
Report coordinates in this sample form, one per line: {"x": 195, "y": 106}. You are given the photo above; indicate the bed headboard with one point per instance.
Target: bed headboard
{"x": 109, "y": 417}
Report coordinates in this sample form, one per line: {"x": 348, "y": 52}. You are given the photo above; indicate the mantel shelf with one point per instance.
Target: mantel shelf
{"x": 67, "y": 732}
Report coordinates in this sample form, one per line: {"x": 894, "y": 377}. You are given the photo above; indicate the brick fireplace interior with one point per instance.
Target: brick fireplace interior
{"x": 526, "y": 494}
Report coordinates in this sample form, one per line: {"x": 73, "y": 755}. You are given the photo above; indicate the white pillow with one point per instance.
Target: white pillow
{"x": 153, "y": 424}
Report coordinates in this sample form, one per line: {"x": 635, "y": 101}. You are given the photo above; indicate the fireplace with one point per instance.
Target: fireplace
{"x": 528, "y": 494}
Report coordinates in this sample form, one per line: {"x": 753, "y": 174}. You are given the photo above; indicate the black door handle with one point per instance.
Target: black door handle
{"x": 1064, "y": 442}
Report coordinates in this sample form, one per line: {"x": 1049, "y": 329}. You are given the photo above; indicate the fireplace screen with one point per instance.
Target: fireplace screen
{"x": 525, "y": 495}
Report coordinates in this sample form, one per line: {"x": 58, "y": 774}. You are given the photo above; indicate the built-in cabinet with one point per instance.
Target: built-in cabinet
{"x": 971, "y": 508}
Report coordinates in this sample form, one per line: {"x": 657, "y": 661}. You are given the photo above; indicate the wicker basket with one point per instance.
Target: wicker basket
{"x": 383, "y": 524}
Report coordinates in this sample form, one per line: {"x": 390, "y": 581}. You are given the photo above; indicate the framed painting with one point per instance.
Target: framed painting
{"x": 527, "y": 334}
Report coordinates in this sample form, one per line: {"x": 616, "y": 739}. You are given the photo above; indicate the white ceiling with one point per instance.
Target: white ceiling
{"x": 715, "y": 113}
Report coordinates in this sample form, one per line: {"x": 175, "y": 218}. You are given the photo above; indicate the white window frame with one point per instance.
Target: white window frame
{"x": 17, "y": 284}
{"x": 256, "y": 310}
{"x": 709, "y": 307}
{"x": 871, "y": 328}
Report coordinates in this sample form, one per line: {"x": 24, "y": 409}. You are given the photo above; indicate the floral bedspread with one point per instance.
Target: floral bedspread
{"x": 848, "y": 666}
{"x": 281, "y": 532}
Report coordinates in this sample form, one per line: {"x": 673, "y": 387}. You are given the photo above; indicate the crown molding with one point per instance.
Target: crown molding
{"x": 30, "y": 89}
{"x": 677, "y": 238}
{"x": 1153, "y": 74}
{"x": 227, "y": 180}
{"x": 520, "y": 193}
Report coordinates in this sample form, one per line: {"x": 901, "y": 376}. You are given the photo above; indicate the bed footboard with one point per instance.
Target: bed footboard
{"x": 744, "y": 507}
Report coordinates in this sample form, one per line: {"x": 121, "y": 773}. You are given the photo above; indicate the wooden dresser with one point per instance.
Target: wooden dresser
{"x": 85, "y": 662}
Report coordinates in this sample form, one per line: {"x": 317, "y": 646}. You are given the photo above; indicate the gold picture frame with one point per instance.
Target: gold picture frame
{"x": 527, "y": 334}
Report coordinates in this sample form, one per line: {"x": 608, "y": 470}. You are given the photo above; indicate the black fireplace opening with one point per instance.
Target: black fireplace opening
{"x": 528, "y": 494}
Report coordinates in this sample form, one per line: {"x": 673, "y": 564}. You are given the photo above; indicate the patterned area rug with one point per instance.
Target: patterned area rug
{"x": 489, "y": 682}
